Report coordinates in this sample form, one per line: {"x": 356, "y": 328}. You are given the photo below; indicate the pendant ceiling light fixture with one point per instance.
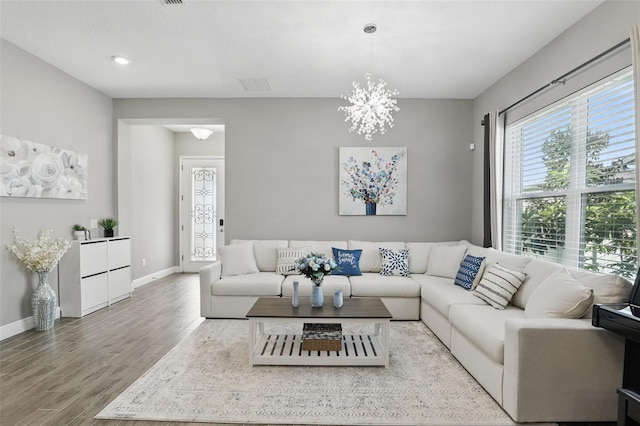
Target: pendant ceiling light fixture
{"x": 201, "y": 133}
{"x": 371, "y": 106}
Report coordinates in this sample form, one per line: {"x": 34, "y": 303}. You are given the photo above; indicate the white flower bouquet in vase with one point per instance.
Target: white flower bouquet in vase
{"x": 315, "y": 266}
{"x": 41, "y": 256}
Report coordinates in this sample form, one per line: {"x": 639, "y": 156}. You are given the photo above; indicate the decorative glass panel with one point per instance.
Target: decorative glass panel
{"x": 203, "y": 214}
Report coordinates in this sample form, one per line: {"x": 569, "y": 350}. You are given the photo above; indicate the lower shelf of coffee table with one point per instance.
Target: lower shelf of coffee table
{"x": 286, "y": 349}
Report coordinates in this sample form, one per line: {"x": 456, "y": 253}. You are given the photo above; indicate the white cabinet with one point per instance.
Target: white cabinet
{"x": 94, "y": 274}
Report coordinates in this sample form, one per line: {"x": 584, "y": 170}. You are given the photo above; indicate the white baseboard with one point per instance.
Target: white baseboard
{"x": 138, "y": 282}
{"x": 20, "y": 326}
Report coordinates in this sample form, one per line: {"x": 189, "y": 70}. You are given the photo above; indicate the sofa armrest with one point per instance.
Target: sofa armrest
{"x": 208, "y": 275}
{"x": 561, "y": 370}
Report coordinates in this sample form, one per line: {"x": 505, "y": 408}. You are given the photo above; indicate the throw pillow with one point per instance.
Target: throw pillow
{"x": 237, "y": 259}
{"x": 394, "y": 262}
{"x": 286, "y": 262}
{"x": 498, "y": 285}
{"x": 348, "y": 262}
{"x": 470, "y": 272}
{"x": 444, "y": 261}
{"x": 559, "y": 296}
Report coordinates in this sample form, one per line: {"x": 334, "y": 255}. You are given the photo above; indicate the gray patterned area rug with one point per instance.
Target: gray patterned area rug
{"x": 207, "y": 378}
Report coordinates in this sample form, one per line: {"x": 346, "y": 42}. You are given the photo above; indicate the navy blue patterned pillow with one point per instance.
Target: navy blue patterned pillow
{"x": 394, "y": 262}
{"x": 469, "y": 270}
{"x": 348, "y": 262}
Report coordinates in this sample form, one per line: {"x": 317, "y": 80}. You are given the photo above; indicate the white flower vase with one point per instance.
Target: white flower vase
{"x": 43, "y": 303}
{"x": 317, "y": 298}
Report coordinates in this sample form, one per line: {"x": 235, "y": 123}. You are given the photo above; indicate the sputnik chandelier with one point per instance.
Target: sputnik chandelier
{"x": 371, "y": 106}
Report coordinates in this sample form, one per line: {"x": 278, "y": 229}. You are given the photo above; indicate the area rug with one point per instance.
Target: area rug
{"x": 207, "y": 378}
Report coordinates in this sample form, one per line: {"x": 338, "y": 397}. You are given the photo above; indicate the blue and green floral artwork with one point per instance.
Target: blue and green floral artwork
{"x": 373, "y": 181}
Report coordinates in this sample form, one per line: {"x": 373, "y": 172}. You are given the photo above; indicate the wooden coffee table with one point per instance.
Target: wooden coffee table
{"x": 286, "y": 349}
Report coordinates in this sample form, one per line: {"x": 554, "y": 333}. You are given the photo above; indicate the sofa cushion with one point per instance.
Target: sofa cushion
{"x": 394, "y": 262}
{"x": 607, "y": 288}
{"x": 348, "y": 261}
{"x": 559, "y": 296}
{"x": 418, "y": 257}
{"x": 329, "y": 285}
{"x": 444, "y": 261}
{"x": 258, "y": 284}
{"x": 537, "y": 271}
{"x": 324, "y": 247}
{"x": 374, "y": 284}
{"x": 287, "y": 260}
{"x": 237, "y": 259}
{"x": 470, "y": 272}
{"x": 484, "y": 326}
{"x": 370, "y": 260}
{"x": 265, "y": 252}
{"x": 441, "y": 294}
{"x": 498, "y": 285}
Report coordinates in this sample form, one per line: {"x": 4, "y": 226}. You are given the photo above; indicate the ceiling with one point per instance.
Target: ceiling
{"x": 302, "y": 48}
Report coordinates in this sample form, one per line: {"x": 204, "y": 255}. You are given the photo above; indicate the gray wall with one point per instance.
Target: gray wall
{"x": 281, "y": 160}
{"x": 604, "y": 27}
{"x": 153, "y": 182}
{"x": 44, "y": 105}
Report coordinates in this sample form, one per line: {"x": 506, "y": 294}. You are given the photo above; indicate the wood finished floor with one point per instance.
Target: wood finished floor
{"x": 69, "y": 374}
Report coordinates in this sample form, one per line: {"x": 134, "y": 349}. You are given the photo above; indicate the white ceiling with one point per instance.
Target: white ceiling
{"x": 312, "y": 48}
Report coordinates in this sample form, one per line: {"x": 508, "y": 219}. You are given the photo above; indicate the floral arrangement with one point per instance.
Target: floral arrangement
{"x": 372, "y": 181}
{"x": 40, "y": 255}
{"x": 316, "y": 266}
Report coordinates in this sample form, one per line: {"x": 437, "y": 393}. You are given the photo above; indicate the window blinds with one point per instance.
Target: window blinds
{"x": 570, "y": 180}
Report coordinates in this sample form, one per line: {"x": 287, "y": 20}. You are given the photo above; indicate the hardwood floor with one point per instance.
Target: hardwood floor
{"x": 67, "y": 375}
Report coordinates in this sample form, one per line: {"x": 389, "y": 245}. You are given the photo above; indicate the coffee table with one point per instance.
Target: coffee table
{"x": 286, "y": 349}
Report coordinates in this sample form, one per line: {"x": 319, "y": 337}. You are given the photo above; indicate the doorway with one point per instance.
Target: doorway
{"x": 201, "y": 212}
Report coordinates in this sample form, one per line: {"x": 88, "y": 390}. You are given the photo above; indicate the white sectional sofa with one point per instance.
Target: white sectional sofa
{"x": 539, "y": 357}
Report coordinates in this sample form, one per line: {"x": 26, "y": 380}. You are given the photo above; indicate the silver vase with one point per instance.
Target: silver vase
{"x": 43, "y": 303}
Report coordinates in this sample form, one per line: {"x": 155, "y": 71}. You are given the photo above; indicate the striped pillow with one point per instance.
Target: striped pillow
{"x": 498, "y": 285}
{"x": 287, "y": 257}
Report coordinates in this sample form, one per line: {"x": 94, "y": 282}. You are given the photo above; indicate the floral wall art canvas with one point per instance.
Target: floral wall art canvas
{"x": 373, "y": 181}
{"x": 30, "y": 169}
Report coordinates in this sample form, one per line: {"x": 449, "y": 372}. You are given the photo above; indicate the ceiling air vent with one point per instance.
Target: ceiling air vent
{"x": 172, "y": 2}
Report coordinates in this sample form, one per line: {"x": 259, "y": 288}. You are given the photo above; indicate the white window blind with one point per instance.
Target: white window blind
{"x": 569, "y": 194}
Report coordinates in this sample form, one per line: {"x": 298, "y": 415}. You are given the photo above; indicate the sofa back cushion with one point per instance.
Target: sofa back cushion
{"x": 607, "y": 288}
{"x": 265, "y": 252}
{"x": 444, "y": 261}
{"x": 370, "y": 260}
{"x": 324, "y": 247}
{"x": 419, "y": 257}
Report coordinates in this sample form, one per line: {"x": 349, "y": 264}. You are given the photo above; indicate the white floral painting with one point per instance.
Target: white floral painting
{"x": 30, "y": 169}
{"x": 373, "y": 181}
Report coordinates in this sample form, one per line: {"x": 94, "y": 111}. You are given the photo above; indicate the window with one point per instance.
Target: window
{"x": 569, "y": 189}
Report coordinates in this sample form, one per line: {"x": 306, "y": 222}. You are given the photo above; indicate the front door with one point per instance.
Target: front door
{"x": 201, "y": 211}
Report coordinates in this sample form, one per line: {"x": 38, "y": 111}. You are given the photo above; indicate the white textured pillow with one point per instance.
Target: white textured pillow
{"x": 498, "y": 285}
{"x": 444, "y": 261}
{"x": 559, "y": 296}
{"x": 287, "y": 260}
{"x": 238, "y": 259}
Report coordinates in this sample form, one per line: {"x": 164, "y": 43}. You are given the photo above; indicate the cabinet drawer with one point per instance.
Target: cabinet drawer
{"x": 119, "y": 253}
{"x": 93, "y": 258}
{"x": 95, "y": 292}
{"x": 119, "y": 283}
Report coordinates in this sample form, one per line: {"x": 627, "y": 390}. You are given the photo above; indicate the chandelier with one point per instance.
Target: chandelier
{"x": 372, "y": 105}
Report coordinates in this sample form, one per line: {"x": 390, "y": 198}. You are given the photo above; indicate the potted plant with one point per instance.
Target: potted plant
{"x": 78, "y": 232}
{"x": 108, "y": 223}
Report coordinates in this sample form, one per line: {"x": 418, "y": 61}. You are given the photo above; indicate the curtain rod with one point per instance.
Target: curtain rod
{"x": 562, "y": 77}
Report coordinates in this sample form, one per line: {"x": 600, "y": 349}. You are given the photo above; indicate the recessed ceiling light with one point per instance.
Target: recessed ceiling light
{"x": 120, "y": 60}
